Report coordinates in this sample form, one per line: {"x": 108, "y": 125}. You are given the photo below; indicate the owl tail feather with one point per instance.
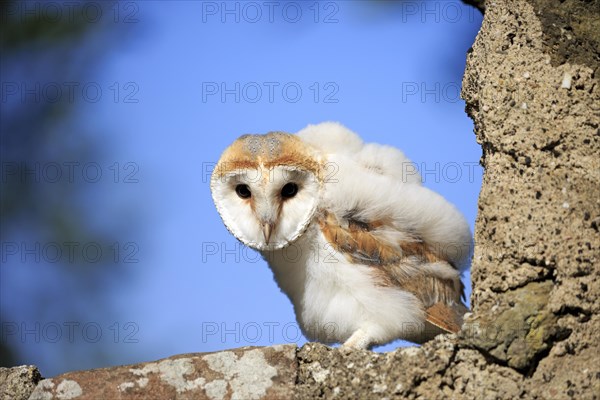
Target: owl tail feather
{"x": 448, "y": 318}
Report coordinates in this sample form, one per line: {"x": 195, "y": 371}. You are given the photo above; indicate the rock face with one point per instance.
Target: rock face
{"x": 532, "y": 86}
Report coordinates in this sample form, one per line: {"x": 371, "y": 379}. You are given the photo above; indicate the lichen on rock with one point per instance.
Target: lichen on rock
{"x": 244, "y": 373}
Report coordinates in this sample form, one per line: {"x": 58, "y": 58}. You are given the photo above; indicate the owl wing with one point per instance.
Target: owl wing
{"x": 408, "y": 264}
{"x": 410, "y": 236}
{"x": 395, "y": 214}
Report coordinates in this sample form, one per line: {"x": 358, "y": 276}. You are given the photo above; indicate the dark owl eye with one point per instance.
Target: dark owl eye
{"x": 289, "y": 190}
{"x": 243, "y": 191}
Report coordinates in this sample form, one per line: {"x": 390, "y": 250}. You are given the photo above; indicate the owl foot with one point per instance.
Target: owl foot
{"x": 358, "y": 340}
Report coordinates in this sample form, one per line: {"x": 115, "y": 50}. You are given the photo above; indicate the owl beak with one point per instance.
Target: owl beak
{"x": 267, "y": 229}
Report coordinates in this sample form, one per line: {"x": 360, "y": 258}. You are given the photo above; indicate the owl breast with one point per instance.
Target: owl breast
{"x": 333, "y": 297}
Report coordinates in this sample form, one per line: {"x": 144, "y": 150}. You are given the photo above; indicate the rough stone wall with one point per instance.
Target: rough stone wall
{"x": 532, "y": 88}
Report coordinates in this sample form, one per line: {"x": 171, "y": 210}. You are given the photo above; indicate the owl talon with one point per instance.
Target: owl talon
{"x": 358, "y": 340}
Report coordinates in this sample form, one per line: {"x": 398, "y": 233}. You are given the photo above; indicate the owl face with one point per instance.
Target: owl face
{"x": 266, "y": 189}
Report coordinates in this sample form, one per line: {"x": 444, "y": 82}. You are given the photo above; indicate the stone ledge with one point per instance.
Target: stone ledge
{"x": 243, "y": 373}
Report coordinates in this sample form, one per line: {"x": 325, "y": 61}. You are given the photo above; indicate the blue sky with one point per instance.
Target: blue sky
{"x": 391, "y": 73}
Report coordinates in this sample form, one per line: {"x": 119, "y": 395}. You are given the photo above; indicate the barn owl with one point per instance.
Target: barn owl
{"x": 365, "y": 253}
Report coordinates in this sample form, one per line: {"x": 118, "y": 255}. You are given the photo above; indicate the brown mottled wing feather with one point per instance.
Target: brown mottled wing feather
{"x": 446, "y": 317}
{"x": 399, "y": 265}
{"x": 356, "y": 239}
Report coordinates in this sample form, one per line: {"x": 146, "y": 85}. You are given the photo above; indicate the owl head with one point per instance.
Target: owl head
{"x": 266, "y": 189}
